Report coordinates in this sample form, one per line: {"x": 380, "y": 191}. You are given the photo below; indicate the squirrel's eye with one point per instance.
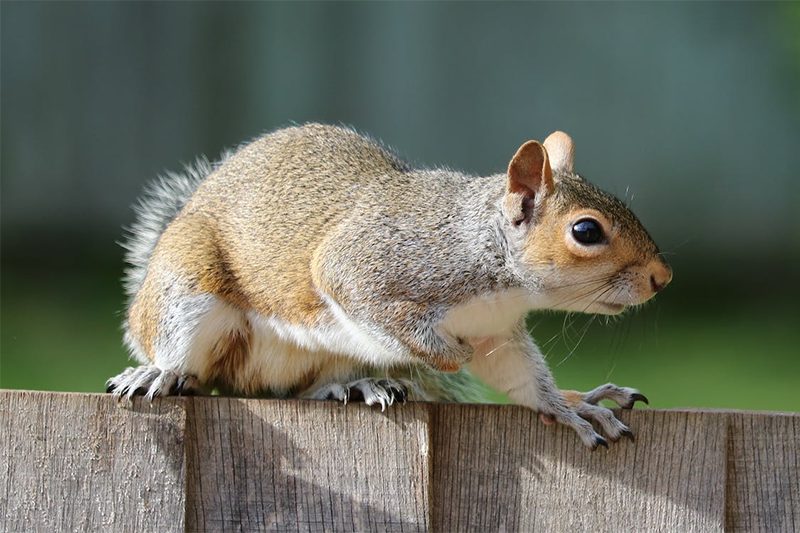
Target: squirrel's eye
{"x": 587, "y": 231}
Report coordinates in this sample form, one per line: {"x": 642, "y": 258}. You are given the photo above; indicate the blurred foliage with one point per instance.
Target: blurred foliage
{"x": 689, "y": 109}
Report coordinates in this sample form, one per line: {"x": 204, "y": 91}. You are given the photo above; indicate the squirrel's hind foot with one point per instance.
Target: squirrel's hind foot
{"x": 372, "y": 391}
{"x": 151, "y": 381}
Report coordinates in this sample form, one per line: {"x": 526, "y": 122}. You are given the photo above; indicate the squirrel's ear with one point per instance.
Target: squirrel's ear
{"x": 561, "y": 151}
{"x": 529, "y": 177}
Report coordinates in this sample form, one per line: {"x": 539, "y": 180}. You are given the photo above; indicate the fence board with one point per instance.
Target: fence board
{"x": 86, "y": 462}
{"x": 490, "y": 460}
{"x": 763, "y": 490}
{"x": 258, "y": 465}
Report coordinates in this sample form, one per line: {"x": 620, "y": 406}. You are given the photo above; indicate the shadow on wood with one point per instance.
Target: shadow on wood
{"x": 85, "y": 462}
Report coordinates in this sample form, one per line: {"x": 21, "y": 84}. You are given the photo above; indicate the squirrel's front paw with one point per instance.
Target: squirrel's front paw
{"x": 584, "y": 409}
{"x": 371, "y": 390}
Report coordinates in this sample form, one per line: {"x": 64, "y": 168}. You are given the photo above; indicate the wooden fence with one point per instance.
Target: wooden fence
{"x": 82, "y": 462}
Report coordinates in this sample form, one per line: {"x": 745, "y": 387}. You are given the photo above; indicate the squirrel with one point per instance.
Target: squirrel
{"x": 314, "y": 263}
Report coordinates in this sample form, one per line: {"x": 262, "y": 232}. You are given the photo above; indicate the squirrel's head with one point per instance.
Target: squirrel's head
{"x": 581, "y": 249}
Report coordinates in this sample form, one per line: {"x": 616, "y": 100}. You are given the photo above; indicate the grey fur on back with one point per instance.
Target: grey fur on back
{"x": 159, "y": 204}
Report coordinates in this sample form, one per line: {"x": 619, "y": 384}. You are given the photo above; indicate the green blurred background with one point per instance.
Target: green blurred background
{"x": 691, "y": 108}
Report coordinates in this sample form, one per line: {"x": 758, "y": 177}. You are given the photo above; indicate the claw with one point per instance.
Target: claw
{"x": 187, "y": 385}
{"x": 372, "y": 391}
{"x": 641, "y": 398}
{"x": 628, "y": 434}
{"x": 396, "y": 394}
{"x": 637, "y": 397}
{"x": 599, "y": 441}
{"x": 183, "y": 388}
{"x": 149, "y": 381}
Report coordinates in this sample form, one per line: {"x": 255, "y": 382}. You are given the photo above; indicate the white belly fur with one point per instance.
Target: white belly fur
{"x": 283, "y": 355}
{"x": 487, "y": 315}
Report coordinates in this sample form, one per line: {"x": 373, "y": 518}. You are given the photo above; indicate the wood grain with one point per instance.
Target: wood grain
{"x": 83, "y": 462}
{"x": 763, "y": 489}
{"x": 498, "y": 468}
{"x": 261, "y": 465}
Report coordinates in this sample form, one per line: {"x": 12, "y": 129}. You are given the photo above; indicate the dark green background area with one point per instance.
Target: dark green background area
{"x": 690, "y": 110}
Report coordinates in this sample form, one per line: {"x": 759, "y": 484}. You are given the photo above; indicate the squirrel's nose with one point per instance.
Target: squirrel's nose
{"x": 660, "y": 275}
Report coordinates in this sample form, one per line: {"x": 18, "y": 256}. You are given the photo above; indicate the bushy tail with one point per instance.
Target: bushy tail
{"x": 161, "y": 202}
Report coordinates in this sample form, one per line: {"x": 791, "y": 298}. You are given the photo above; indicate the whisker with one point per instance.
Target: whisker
{"x": 607, "y": 277}
{"x": 611, "y": 371}
{"x": 549, "y": 341}
{"x": 498, "y": 347}
{"x": 565, "y": 326}
{"x": 683, "y": 243}
{"x": 583, "y": 334}
{"x": 601, "y": 279}
{"x": 585, "y": 329}
{"x": 580, "y": 296}
{"x": 619, "y": 333}
{"x": 598, "y": 296}
{"x": 597, "y": 292}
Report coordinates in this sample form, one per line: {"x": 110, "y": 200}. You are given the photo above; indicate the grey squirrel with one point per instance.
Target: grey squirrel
{"x": 314, "y": 263}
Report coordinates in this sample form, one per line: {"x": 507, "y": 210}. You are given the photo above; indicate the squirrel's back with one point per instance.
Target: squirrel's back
{"x": 274, "y": 201}
{"x": 292, "y": 149}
